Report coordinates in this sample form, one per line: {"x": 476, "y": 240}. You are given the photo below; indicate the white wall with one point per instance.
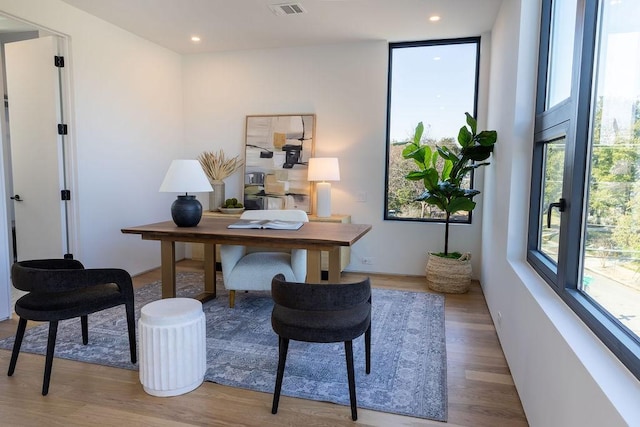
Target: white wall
{"x": 565, "y": 376}
{"x": 345, "y": 86}
{"x": 126, "y": 127}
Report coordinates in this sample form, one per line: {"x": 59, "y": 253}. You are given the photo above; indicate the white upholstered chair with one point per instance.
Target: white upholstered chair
{"x": 247, "y": 268}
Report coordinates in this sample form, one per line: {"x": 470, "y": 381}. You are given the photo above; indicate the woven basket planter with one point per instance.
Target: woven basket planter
{"x": 449, "y": 275}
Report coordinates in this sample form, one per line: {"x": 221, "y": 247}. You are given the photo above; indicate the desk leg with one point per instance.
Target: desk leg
{"x": 168, "y": 268}
{"x": 209, "y": 273}
{"x": 313, "y": 267}
{"x": 334, "y": 265}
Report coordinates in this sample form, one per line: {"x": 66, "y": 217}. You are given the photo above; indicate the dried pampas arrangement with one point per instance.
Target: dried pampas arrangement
{"x": 217, "y": 166}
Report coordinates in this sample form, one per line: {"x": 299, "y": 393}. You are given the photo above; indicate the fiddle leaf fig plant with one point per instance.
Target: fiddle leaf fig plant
{"x": 444, "y": 169}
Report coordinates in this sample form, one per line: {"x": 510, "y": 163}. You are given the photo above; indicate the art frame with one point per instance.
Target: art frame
{"x": 277, "y": 152}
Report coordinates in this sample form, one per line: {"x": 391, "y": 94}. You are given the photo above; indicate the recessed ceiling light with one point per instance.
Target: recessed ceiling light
{"x": 195, "y": 39}
{"x": 436, "y": 58}
{"x": 434, "y": 18}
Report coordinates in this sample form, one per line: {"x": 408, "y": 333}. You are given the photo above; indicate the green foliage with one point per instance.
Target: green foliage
{"x": 443, "y": 170}
{"x": 614, "y": 190}
{"x": 402, "y": 192}
{"x": 452, "y": 255}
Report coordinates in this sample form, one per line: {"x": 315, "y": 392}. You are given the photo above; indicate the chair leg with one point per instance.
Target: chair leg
{"x": 283, "y": 347}
{"x": 348, "y": 350}
{"x": 51, "y": 345}
{"x": 84, "y": 321}
{"x": 131, "y": 325}
{"x": 232, "y": 299}
{"x": 22, "y": 326}
{"x": 367, "y": 349}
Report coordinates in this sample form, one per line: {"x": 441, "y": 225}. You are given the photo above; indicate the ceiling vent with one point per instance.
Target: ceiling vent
{"x": 287, "y": 9}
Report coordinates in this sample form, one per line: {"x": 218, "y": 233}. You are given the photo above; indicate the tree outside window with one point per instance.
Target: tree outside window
{"x": 434, "y": 82}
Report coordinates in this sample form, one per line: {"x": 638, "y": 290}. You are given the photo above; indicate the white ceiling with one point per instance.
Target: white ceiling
{"x": 250, "y": 24}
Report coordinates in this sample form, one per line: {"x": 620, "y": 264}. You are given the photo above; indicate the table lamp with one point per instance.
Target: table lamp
{"x": 323, "y": 169}
{"x": 185, "y": 176}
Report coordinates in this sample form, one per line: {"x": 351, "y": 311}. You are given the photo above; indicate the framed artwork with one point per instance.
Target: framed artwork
{"x": 277, "y": 152}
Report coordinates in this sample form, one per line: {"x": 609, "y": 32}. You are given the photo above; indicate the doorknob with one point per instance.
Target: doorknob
{"x": 560, "y": 204}
{"x": 16, "y": 198}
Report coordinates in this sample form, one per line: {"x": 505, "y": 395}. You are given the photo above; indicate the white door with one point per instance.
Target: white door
{"x": 37, "y": 151}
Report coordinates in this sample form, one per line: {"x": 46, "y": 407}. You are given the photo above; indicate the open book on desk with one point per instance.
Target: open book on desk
{"x": 274, "y": 224}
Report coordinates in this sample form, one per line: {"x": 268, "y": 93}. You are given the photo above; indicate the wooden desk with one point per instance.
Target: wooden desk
{"x": 315, "y": 237}
{"x": 197, "y": 249}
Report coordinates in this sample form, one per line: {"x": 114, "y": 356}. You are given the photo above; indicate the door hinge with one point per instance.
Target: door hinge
{"x": 58, "y": 61}
{"x": 62, "y": 129}
{"x": 65, "y": 194}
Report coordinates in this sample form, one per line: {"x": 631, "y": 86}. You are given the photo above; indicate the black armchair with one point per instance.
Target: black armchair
{"x": 61, "y": 289}
{"x": 321, "y": 313}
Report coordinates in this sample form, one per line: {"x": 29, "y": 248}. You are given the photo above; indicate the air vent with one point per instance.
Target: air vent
{"x": 287, "y": 9}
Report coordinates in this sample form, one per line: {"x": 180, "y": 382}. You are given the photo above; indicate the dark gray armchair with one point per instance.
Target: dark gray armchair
{"x": 321, "y": 313}
{"x": 61, "y": 289}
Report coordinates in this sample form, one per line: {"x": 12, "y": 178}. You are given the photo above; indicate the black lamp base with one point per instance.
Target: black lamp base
{"x": 186, "y": 211}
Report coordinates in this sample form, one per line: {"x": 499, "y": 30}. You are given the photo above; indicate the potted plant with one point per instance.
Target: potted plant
{"x": 443, "y": 172}
{"x": 218, "y": 167}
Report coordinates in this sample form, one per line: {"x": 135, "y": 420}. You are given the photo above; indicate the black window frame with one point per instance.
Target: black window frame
{"x": 422, "y": 43}
{"x": 572, "y": 118}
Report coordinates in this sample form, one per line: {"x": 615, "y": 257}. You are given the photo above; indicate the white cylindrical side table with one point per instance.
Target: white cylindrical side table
{"x": 173, "y": 353}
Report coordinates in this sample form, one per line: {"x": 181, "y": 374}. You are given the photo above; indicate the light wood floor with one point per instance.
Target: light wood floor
{"x": 480, "y": 388}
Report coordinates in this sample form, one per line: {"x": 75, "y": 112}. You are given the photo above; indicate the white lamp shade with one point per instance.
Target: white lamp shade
{"x": 323, "y": 169}
{"x": 185, "y": 176}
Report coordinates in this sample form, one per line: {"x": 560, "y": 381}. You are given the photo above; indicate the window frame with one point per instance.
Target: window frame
{"x": 422, "y": 43}
{"x": 572, "y": 116}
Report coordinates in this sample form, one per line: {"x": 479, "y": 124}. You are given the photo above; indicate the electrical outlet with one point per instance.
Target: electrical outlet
{"x": 367, "y": 260}
{"x": 361, "y": 196}
{"x": 499, "y": 317}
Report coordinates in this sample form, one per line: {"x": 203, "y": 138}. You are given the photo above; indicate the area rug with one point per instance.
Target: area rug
{"x": 408, "y": 371}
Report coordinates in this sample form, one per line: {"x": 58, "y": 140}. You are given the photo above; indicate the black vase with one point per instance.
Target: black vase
{"x": 186, "y": 211}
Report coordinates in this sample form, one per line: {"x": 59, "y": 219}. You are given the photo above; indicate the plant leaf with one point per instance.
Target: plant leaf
{"x": 446, "y": 170}
{"x": 428, "y": 154}
{"x": 431, "y": 199}
{"x": 478, "y": 153}
{"x": 447, "y": 154}
{"x": 430, "y": 179}
{"x": 434, "y": 159}
{"x": 487, "y": 137}
{"x": 413, "y": 152}
{"x": 461, "y": 204}
{"x": 415, "y": 175}
{"x": 464, "y": 137}
{"x": 418, "y": 134}
{"x": 472, "y": 123}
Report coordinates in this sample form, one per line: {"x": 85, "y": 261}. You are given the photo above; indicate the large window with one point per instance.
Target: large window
{"x": 434, "y": 82}
{"x": 584, "y": 223}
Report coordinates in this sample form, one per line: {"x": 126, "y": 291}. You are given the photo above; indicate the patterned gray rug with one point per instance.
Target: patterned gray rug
{"x": 408, "y": 371}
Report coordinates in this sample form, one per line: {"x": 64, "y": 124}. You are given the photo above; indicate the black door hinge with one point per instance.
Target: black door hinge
{"x": 62, "y": 129}
{"x": 58, "y": 61}
{"x": 65, "y": 194}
